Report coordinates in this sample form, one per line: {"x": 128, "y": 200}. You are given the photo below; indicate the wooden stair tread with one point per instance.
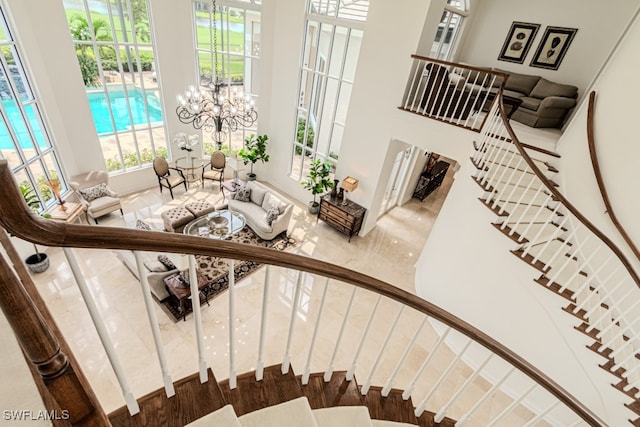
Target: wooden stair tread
{"x": 196, "y": 400}
{"x": 336, "y": 392}
{"x": 251, "y": 395}
{"x": 391, "y": 408}
{"x": 427, "y": 420}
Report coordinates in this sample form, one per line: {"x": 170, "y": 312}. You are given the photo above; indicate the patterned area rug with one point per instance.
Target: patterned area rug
{"x": 216, "y": 269}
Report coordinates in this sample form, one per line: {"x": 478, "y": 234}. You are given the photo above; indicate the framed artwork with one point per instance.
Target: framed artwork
{"x": 553, "y": 47}
{"x": 518, "y": 42}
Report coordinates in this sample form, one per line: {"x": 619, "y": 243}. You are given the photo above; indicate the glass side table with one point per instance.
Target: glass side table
{"x": 216, "y": 225}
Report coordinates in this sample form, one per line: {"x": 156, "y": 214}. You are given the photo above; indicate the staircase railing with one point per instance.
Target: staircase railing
{"x": 457, "y": 94}
{"x": 575, "y": 258}
{"x": 386, "y": 350}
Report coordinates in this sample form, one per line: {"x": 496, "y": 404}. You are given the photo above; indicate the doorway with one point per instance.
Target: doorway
{"x": 397, "y": 179}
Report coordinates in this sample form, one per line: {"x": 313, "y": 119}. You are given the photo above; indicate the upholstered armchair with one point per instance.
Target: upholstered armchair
{"x": 94, "y": 193}
{"x": 165, "y": 178}
{"x": 216, "y": 168}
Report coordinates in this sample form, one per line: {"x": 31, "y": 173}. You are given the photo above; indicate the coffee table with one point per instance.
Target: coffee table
{"x": 220, "y": 224}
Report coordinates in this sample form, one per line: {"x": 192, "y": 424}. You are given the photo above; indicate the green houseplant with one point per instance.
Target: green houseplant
{"x": 38, "y": 262}
{"x": 255, "y": 148}
{"x": 318, "y": 181}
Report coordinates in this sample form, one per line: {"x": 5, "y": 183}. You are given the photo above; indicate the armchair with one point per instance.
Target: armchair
{"x": 216, "y": 168}
{"x": 94, "y": 193}
{"x": 165, "y": 179}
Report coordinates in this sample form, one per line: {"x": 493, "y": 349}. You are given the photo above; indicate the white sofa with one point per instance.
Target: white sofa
{"x": 261, "y": 199}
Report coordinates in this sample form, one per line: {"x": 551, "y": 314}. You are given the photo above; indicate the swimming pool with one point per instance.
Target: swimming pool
{"x": 99, "y": 110}
{"x": 118, "y": 100}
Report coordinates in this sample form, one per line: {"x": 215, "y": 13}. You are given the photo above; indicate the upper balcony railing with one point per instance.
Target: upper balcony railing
{"x": 458, "y": 94}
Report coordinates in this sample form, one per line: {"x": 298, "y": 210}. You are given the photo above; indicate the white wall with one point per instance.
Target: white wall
{"x": 616, "y": 142}
{"x": 599, "y": 26}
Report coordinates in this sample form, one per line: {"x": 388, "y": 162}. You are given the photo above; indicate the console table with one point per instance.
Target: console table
{"x": 345, "y": 218}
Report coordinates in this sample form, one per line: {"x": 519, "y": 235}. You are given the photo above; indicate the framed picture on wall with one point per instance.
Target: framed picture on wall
{"x": 518, "y": 42}
{"x": 553, "y": 47}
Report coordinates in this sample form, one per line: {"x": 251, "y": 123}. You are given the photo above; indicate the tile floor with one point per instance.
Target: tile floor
{"x": 388, "y": 253}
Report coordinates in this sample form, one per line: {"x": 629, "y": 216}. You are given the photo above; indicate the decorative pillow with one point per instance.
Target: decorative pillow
{"x": 243, "y": 194}
{"x": 184, "y": 278}
{"x": 272, "y": 214}
{"x": 95, "y": 192}
{"x": 141, "y": 225}
{"x": 167, "y": 262}
{"x": 257, "y": 193}
{"x": 154, "y": 266}
{"x": 271, "y": 200}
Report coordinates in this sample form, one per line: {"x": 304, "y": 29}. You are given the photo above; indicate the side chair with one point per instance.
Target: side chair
{"x": 165, "y": 178}
{"x": 94, "y": 193}
{"x": 216, "y": 168}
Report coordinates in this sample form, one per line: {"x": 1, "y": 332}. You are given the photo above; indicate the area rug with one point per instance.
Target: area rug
{"x": 216, "y": 269}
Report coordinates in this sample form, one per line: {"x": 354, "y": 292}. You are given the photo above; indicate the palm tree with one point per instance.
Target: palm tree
{"x": 80, "y": 31}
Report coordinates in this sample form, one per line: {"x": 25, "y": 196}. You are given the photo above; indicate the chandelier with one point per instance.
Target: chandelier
{"x": 210, "y": 109}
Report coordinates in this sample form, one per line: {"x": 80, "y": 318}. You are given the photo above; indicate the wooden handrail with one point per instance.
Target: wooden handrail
{"x": 591, "y": 139}
{"x": 560, "y": 197}
{"x": 16, "y": 217}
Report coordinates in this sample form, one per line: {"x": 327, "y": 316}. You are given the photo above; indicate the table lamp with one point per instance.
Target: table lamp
{"x": 348, "y": 184}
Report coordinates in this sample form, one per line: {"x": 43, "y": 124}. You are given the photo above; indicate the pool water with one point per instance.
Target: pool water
{"x": 99, "y": 110}
{"x": 118, "y": 100}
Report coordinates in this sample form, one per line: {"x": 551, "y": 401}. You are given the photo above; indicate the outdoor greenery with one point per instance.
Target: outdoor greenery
{"x": 131, "y": 159}
{"x": 31, "y": 199}
{"x": 255, "y": 148}
{"x": 318, "y": 181}
{"x": 302, "y": 123}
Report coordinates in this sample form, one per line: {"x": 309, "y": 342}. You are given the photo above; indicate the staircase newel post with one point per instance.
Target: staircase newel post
{"x": 42, "y": 349}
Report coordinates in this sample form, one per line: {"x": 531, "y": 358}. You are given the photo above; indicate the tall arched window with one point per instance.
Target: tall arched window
{"x": 449, "y": 29}
{"x": 332, "y": 41}
{"x": 24, "y": 139}
{"x": 114, "y": 45}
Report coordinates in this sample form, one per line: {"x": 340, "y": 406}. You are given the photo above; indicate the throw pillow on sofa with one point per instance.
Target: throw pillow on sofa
{"x": 243, "y": 195}
{"x": 257, "y": 193}
{"x": 272, "y": 214}
{"x": 271, "y": 200}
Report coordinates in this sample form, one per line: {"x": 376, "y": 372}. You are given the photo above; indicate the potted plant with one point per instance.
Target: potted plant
{"x": 38, "y": 262}
{"x": 318, "y": 182}
{"x": 255, "y": 148}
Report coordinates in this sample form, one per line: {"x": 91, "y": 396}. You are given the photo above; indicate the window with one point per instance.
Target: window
{"x": 116, "y": 56}
{"x": 24, "y": 140}
{"x": 449, "y": 29}
{"x": 237, "y": 39}
{"x": 331, "y": 49}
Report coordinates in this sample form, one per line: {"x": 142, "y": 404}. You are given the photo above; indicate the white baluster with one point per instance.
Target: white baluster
{"x": 534, "y": 220}
{"x": 607, "y": 313}
{"x": 541, "y": 415}
{"x": 103, "y": 333}
{"x": 557, "y": 252}
{"x": 463, "y": 419}
{"x": 387, "y": 387}
{"x": 512, "y": 406}
{"x": 443, "y": 412}
{"x": 518, "y": 203}
{"x": 365, "y": 389}
{"x": 292, "y": 321}
{"x": 352, "y": 368}
{"x": 329, "y": 371}
{"x": 263, "y": 324}
{"x": 580, "y": 269}
{"x": 606, "y": 293}
{"x": 526, "y": 210}
{"x": 409, "y": 389}
{"x": 420, "y": 408}
{"x": 505, "y": 185}
{"x": 507, "y": 199}
{"x": 556, "y": 231}
{"x": 566, "y": 247}
{"x": 233, "y": 379}
{"x": 307, "y": 368}
{"x": 153, "y": 323}
{"x": 602, "y": 286}
{"x": 419, "y": 70}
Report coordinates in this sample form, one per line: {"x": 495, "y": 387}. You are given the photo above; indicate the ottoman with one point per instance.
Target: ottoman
{"x": 200, "y": 208}
{"x": 176, "y": 218}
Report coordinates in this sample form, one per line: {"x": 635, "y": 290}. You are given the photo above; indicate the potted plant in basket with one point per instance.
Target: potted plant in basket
{"x": 318, "y": 182}
{"x": 255, "y": 148}
{"x": 38, "y": 262}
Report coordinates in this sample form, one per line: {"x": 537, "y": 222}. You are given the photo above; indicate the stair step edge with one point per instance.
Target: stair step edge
{"x": 342, "y": 416}
{"x": 224, "y": 416}
{"x": 281, "y": 415}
